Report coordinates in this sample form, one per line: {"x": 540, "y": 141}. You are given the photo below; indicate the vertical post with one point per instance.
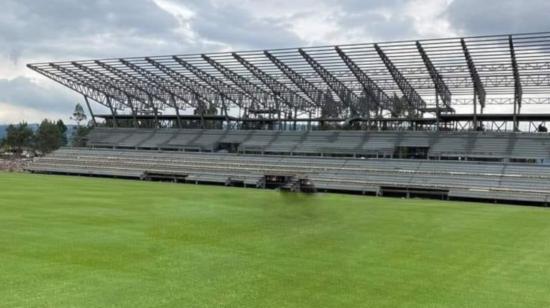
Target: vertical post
{"x": 518, "y": 91}
{"x": 226, "y": 114}
{"x": 242, "y": 117}
{"x": 94, "y": 123}
{"x": 295, "y": 116}
{"x": 134, "y": 113}
{"x": 379, "y": 112}
{"x": 437, "y": 111}
{"x": 176, "y": 108}
{"x": 475, "y": 110}
{"x": 155, "y": 111}
{"x": 202, "y": 125}
{"x": 113, "y": 111}
{"x": 278, "y": 114}
{"x": 517, "y": 109}
{"x": 479, "y": 90}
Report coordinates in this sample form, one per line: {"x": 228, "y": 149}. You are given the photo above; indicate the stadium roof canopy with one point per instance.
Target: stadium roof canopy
{"x": 345, "y": 81}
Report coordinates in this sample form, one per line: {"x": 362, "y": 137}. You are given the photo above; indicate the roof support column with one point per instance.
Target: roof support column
{"x": 283, "y": 94}
{"x": 94, "y": 123}
{"x": 441, "y": 88}
{"x": 475, "y": 124}
{"x": 412, "y": 97}
{"x": 225, "y": 113}
{"x": 518, "y": 91}
{"x": 515, "y": 115}
{"x": 176, "y": 108}
{"x": 134, "y": 112}
{"x": 113, "y": 111}
{"x": 219, "y": 86}
{"x": 348, "y": 99}
{"x": 373, "y": 93}
{"x": 256, "y": 93}
{"x": 437, "y": 110}
{"x": 317, "y": 96}
{"x": 479, "y": 90}
{"x": 155, "y": 111}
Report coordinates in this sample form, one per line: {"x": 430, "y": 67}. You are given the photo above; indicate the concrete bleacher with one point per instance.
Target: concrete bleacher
{"x": 451, "y": 179}
{"x": 382, "y": 144}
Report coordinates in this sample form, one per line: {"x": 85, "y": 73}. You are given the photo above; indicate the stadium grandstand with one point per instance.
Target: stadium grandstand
{"x": 437, "y": 118}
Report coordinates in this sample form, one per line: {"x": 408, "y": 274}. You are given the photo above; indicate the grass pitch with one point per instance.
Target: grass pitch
{"x": 67, "y": 241}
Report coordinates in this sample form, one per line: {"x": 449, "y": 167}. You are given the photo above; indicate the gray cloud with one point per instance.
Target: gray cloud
{"x": 31, "y": 95}
{"x": 73, "y": 28}
{"x": 67, "y": 29}
{"x": 499, "y": 16}
{"x": 55, "y": 30}
{"x": 247, "y": 32}
{"x": 233, "y": 26}
{"x": 376, "y": 19}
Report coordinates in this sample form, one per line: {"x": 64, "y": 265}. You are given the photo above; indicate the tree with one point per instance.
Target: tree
{"x": 78, "y": 115}
{"x": 79, "y": 138}
{"x": 49, "y": 136}
{"x": 212, "y": 110}
{"x": 400, "y": 106}
{"x": 63, "y": 129}
{"x": 18, "y": 137}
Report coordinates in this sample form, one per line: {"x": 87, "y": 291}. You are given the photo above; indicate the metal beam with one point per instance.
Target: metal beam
{"x": 221, "y": 87}
{"x": 132, "y": 81}
{"x": 508, "y": 67}
{"x": 200, "y": 93}
{"x": 157, "y": 80}
{"x": 178, "y": 116}
{"x": 113, "y": 112}
{"x": 134, "y": 112}
{"x": 109, "y": 81}
{"x": 317, "y": 96}
{"x": 155, "y": 111}
{"x": 476, "y": 80}
{"x": 411, "y": 96}
{"x": 518, "y": 90}
{"x": 287, "y": 95}
{"x": 256, "y": 93}
{"x": 322, "y": 100}
{"x": 77, "y": 86}
{"x": 441, "y": 88}
{"x": 347, "y": 97}
{"x": 372, "y": 90}
{"x": 160, "y": 82}
{"x": 94, "y": 123}
{"x": 84, "y": 81}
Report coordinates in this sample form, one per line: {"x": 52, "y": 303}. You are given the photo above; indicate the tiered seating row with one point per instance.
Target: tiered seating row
{"x": 358, "y": 143}
{"x": 460, "y": 179}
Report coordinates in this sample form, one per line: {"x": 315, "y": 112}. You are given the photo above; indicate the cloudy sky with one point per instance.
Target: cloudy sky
{"x": 53, "y": 30}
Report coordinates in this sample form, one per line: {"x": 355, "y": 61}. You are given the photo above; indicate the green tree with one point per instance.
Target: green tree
{"x": 78, "y": 114}
{"x": 63, "y": 129}
{"x": 18, "y": 137}
{"x": 212, "y": 110}
{"x": 79, "y": 138}
{"x": 49, "y": 136}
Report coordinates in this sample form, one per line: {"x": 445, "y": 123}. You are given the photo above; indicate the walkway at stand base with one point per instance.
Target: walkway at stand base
{"x": 442, "y": 179}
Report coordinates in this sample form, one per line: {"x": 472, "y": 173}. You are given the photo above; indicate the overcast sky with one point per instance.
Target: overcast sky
{"x": 53, "y": 30}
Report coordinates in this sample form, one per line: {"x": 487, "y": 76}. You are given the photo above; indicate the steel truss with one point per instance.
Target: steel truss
{"x": 358, "y": 81}
{"x": 376, "y": 94}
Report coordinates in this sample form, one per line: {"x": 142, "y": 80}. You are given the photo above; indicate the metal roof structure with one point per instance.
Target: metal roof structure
{"x": 345, "y": 81}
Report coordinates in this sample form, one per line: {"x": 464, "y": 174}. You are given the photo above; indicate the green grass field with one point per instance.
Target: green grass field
{"x": 67, "y": 241}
